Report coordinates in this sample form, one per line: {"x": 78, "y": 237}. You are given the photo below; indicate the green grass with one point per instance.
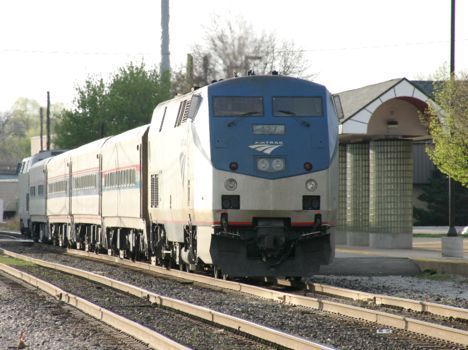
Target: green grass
{"x": 434, "y": 275}
{"x": 14, "y": 262}
{"x": 440, "y": 276}
{"x": 438, "y": 235}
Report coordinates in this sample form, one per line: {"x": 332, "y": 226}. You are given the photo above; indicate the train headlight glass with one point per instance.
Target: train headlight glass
{"x": 311, "y": 185}
{"x": 230, "y": 184}
{"x": 263, "y": 164}
{"x": 270, "y": 164}
{"x": 277, "y": 164}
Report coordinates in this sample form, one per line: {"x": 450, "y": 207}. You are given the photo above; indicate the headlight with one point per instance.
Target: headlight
{"x": 230, "y": 184}
{"x": 263, "y": 164}
{"x": 277, "y": 164}
{"x": 311, "y": 185}
{"x": 270, "y": 164}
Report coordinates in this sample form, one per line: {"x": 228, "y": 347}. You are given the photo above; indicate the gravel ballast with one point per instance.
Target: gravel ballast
{"x": 453, "y": 291}
{"x": 334, "y": 330}
{"x": 49, "y": 324}
{"x": 190, "y": 332}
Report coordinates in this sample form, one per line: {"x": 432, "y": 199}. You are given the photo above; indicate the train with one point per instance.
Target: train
{"x": 24, "y": 188}
{"x": 238, "y": 178}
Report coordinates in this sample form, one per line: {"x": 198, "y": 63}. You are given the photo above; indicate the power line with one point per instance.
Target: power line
{"x": 378, "y": 47}
{"x": 148, "y": 53}
{"x": 75, "y": 53}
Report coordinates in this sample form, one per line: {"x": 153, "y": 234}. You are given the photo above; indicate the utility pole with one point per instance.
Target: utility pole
{"x": 206, "y": 67}
{"x": 41, "y": 114}
{"x": 48, "y": 120}
{"x": 452, "y": 40}
{"x": 165, "y": 60}
{"x": 451, "y": 231}
{"x": 189, "y": 73}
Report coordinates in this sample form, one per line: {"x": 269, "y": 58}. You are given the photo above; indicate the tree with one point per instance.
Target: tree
{"x": 18, "y": 125}
{"x": 82, "y": 124}
{"x": 132, "y": 95}
{"x": 436, "y": 196}
{"x": 16, "y": 128}
{"x": 448, "y": 126}
{"x": 103, "y": 109}
{"x": 232, "y": 47}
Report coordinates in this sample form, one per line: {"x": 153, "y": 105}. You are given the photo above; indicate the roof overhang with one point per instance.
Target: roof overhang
{"x": 357, "y": 123}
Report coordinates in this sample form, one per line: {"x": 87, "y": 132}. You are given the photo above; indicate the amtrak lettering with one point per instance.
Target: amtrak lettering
{"x": 266, "y": 147}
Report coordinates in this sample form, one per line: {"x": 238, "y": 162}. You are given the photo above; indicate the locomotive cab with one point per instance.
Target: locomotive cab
{"x": 273, "y": 150}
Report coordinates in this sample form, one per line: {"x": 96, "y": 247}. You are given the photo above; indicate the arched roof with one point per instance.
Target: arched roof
{"x": 356, "y": 107}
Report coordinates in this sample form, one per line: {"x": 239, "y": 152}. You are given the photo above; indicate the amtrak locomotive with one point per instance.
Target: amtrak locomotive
{"x": 239, "y": 177}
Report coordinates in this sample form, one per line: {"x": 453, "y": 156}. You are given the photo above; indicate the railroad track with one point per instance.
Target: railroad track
{"x": 383, "y": 318}
{"x": 122, "y": 324}
{"x": 218, "y": 322}
{"x": 418, "y": 306}
{"x": 372, "y": 316}
{"x": 12, "y": 236}
{"x": 40, "y": 319}
{"x": 386, "y": 319}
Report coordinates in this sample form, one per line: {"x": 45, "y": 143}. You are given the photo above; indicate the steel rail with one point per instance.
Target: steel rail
{"x": 268, "y": 334}
{"x": 422, "y": 327}
{"x": 142, "y": 333}
{"x": 379, "y": 299}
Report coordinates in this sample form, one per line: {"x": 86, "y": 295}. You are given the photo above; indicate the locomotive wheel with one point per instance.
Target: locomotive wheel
{"x": 218, "y": 273}
{"x": 184, "y": 267}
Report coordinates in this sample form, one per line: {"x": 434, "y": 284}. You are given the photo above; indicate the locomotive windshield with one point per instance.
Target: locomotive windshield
{"x": 238, "y": 106}
{"x": 297, "y": 106}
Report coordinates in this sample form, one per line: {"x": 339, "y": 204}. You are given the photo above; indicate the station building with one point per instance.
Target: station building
{"x": 382, "y": 162}
{"x": 8, "y": 190}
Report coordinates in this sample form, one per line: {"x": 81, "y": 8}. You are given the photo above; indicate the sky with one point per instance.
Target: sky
{"x": 55, "y": 45}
